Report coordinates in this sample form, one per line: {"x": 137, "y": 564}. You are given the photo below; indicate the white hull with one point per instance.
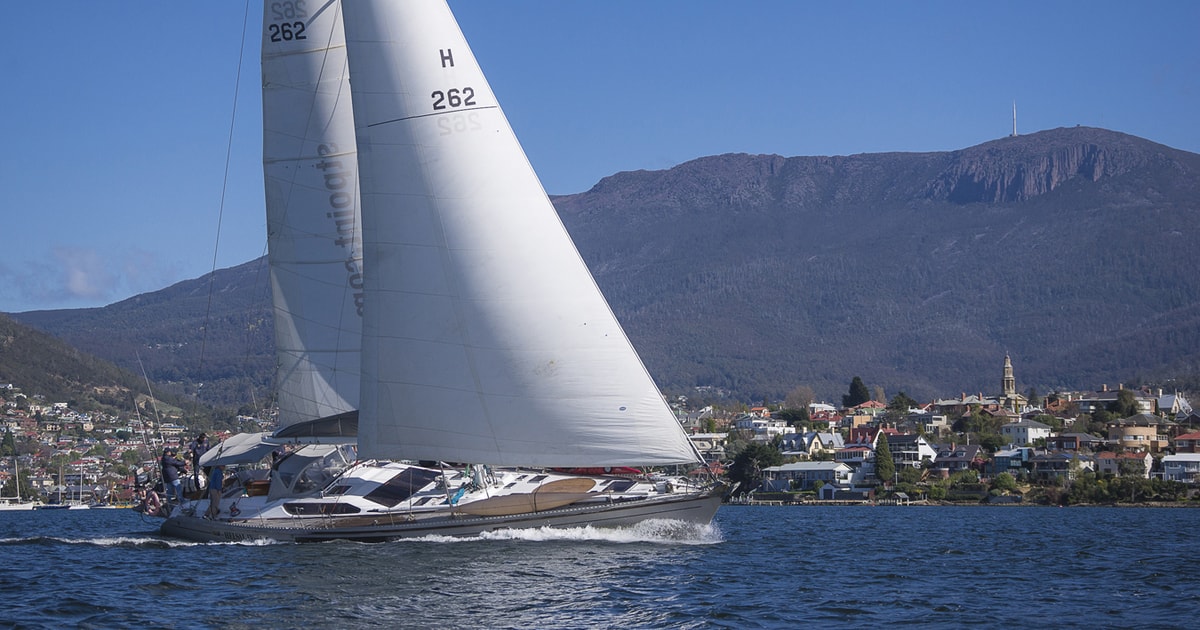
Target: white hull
{"x": 511, "y": 499}
{"x": 696, "y": 508}
{"x": 17, "y": 506}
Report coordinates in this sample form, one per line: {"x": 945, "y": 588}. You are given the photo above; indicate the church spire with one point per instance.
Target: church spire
{"x": 1009, "y": 386}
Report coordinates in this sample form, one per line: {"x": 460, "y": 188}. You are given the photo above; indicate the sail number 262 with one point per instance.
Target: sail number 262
{"x": 285, "y": 30}
{"x": 453, "y": 98}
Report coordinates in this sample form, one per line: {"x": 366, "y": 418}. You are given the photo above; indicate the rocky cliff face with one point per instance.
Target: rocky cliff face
{"x": 1021, "y": 168}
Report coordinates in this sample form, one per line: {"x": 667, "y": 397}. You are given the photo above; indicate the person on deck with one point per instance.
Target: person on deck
{"x": 149, "y": 504}
{"x": 172, "y": 469}
{"x": 216, "y": 484}
{"x": 197, "y": 449}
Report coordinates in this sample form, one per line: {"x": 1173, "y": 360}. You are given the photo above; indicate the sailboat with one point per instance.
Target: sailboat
{"x": 69, "y": 503}
{"x": 446, "y": 363}
{"x": 16, "y": 502}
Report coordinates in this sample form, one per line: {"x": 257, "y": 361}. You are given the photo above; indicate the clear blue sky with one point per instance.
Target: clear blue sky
{"x": 116, "y": 115}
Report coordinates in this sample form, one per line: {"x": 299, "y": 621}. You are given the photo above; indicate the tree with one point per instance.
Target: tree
{"x": 1054, "y": 422}
{"x": 1033, "y": 398}
{"x": 1004, "y": 482}
{"x": 748, "y": 465}
{"x": 8, "y": 446}
{"x": 794, "y": 417}
{"x": 799, "y": 398}
{"x": 858, "y": 395}
{"x": 899, "y": 406}
{"x": 885, "y": 467}
{"x": 1125, "y": 405}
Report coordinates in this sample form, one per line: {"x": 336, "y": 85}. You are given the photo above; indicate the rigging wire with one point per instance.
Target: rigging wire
{"x": 224, "y": 183}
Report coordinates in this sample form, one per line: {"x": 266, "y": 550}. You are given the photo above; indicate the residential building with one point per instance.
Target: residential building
{"x": 1182, "y": 467}
{"x": 1109, "y": 463}
{"x": 909, "y": 449}
{"x": 952, "y": 458}
{"x": 710, "y": 445}
{"x": 805, "y": 475}
{"x": 810, "y": 443}
{"x": 1187, "y": 443}
{"x": 1074, "y": 442}
{"x": 1140, "y": 432}
{"x": 1091, "y": 403}
{"x": 1011, "y": 460}
{"x": 1173, "y": 405}
{"x": 1025, "y": 432}
{"x": 763, "y": 428}
{"x": 1052, "y": 466}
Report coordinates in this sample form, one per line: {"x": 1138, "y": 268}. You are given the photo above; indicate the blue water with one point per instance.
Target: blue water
{"x": 756, "y": 567}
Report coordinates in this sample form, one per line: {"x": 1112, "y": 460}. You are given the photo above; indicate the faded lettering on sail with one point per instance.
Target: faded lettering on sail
{"x": 313, "y": 226}
{"x": 485, "y": 338}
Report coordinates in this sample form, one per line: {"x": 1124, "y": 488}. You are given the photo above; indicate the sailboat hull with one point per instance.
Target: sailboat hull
{"x": 695, "y": 508}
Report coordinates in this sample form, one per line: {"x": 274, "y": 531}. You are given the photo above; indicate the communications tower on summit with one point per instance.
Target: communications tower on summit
{"x": 1014, "y": 133}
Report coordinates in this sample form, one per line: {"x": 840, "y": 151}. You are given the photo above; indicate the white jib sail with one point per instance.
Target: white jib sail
{"x": 485, "y": 337}
{"x": 314, "y": 232}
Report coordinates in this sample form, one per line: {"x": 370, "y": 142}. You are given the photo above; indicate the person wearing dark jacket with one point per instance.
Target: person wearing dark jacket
{"x": 197, "y": 449}
{"x": 172, "y": 469}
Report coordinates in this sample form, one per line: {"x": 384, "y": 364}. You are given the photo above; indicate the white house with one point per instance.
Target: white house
{"x": 1023, "y": 432}
{"x": 763, "y": 428}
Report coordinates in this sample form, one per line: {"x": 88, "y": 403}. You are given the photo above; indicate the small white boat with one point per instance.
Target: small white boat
{"x": 16, "y": 503}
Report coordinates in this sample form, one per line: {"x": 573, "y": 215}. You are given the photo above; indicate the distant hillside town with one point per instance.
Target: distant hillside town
{"x": 62, "y": 455}
{"x": 1113, "y": 445}
{"x": 1107, "y": 446}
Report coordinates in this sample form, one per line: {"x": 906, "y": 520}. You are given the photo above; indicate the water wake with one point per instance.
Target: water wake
{"x": 135, "y": 541}
{"x": 662, "y": 531}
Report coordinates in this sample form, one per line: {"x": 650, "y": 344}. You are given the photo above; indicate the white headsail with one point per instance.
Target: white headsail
{"x": 485, "y": 338}
{"x": 313, "y": 225}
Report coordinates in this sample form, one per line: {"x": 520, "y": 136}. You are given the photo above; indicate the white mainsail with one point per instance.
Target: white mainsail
{"x": 485, "y": 338}
{"x": 313, "y": 225}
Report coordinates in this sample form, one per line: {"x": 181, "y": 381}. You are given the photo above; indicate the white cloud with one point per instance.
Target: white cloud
{"x": 82, "y": 277}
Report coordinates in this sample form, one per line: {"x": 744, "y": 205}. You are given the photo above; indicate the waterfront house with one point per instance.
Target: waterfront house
{"x": 861, "y": 460}
{"x": 1057, "y": 466}
{"x": 1182, "y": 467}
{"x": 1109, "y": 463}
{"x": 804, "y": 476}
{"x": 909, "y": 449}
{"x": 952, "y": 458}
{"x": 1012, "y": 460}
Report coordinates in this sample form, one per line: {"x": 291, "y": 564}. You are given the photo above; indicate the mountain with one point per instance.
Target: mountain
{"x": 209, "y": 337}
{"x": 38, "y": 363}
{"x": 1069, "y": 249}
